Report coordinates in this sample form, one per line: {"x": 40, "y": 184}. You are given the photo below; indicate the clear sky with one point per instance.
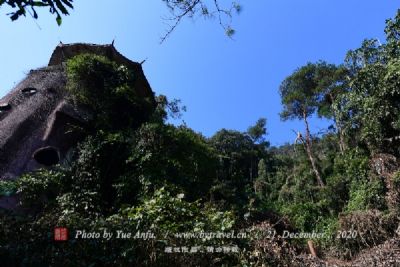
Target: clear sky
{"x": 224, "y": 83}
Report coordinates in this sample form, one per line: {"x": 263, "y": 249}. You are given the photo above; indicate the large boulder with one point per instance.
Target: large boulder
{"x": 36, "y": 116}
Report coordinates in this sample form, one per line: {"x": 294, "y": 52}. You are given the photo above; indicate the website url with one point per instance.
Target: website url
{"x": 211, "y": 235}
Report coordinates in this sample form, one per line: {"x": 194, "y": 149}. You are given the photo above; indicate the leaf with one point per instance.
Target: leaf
{"x": 14, "y": 16}
{"x": 237, "y": 7}
{"x": 18, "y": 13}
{"x": 35, "y": 15}
{"x": 59, "y": 19}
{"x": 230, "y": 32}
{"x": 61, "y": 7}
{"x": 68, "y": 3}
{"x": 39, "y": 4}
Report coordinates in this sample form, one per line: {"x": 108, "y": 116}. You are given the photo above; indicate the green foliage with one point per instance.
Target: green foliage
{"x": 332, "y": 82}
{"x": 369, "y": 108}
{"x": 312, "y": 87}
{"x": 107, "y": 89}
{"x": 369, "y": 53}
{"x": 239, "y": 153}
{"x": 167, "y": 214}
{"x": 351, "y": 166}
{"x": 172, "y": 214}
{"x": 178, "y": 155}
{"x": 287, "y": 187}
{"x": 302, "y": 215}
{"x": 40, "y": 187}
{"x": 7, "y": 188}
{"x": 258, "y": 131}
{"x": 298, "y": 93}
{"x": 95, "y": 192}
{"x": 365, "y": 195}
{"x": 392, "y": 31}
{"x": 238, "y": 157}
{"x": 167, "y": 109}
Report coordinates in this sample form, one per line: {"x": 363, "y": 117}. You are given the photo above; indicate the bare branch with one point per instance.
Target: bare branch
{"x": 189, "y": 8}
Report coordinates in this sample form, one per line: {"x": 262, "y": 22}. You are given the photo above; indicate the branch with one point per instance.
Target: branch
{"x": 192, "y": 7}
{"x": 57, "y": 7}
{"x": 179, "y": 17}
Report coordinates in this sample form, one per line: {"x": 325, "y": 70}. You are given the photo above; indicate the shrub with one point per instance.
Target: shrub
{"x": 7, "y": 188}
{"x": 370, "y": 227}
{"x": 107, "y": 89}
{"x": 366, "y": 195}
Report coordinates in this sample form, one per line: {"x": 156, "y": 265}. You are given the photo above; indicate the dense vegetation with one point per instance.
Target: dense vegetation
{"x": 143, "y": 174}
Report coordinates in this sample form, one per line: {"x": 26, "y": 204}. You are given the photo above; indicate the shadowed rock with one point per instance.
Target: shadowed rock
{"x": 5, "y": 107}
{"x": 29, "y": 91}
{"x": 47, "y": 156}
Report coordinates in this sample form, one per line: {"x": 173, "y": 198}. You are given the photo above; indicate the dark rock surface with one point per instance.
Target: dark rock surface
{"x": 23, "y": 127}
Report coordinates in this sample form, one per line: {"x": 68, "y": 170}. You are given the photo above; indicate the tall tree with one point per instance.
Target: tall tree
{"x": 235, "y": 151}
{"x": 392, "y": 31}
{"x": 300, "y": 95}
{"x": 257, "y": 133}
{"x": 369, "y": 53}
{"x": 371, "y": 104}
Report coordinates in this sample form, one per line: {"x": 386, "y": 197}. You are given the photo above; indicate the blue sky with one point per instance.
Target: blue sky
{"x": 224, "y": 83}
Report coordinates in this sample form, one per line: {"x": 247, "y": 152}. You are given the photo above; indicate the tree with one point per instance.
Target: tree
{"x": 331, "y": 83}
{"x": 235, "y": 154}
{"x": 369, "y": 53}
{"x": 370, "y": 105}
{"x": 261, "y": 183}
{"x": 258, "y": 131}
{"x": 168, "y": 154}
{"x": 167, "y": 109}
{"x": 300, "y": 99}
{"x": 238, "y": 158}
{"x": 392, "y": 31}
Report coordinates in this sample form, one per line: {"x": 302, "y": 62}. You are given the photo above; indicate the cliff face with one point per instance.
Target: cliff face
{"x": 35, "y": 116}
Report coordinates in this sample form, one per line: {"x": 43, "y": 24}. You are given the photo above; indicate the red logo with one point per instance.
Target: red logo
{"x": 60, "y": 234}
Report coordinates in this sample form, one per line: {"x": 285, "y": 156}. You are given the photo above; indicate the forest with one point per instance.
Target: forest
{"x": 142, "y": 174}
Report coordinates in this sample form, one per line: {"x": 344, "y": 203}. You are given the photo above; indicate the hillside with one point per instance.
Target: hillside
{"x": 93, "y": 174}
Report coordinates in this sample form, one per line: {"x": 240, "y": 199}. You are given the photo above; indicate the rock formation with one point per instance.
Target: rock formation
{"x": 35, "y": 116}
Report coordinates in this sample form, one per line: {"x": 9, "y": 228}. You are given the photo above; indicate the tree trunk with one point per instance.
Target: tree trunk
{"x": 311, "y": 248}
{"x": 308, "y": 144}
{"x": 342, "y": 144}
